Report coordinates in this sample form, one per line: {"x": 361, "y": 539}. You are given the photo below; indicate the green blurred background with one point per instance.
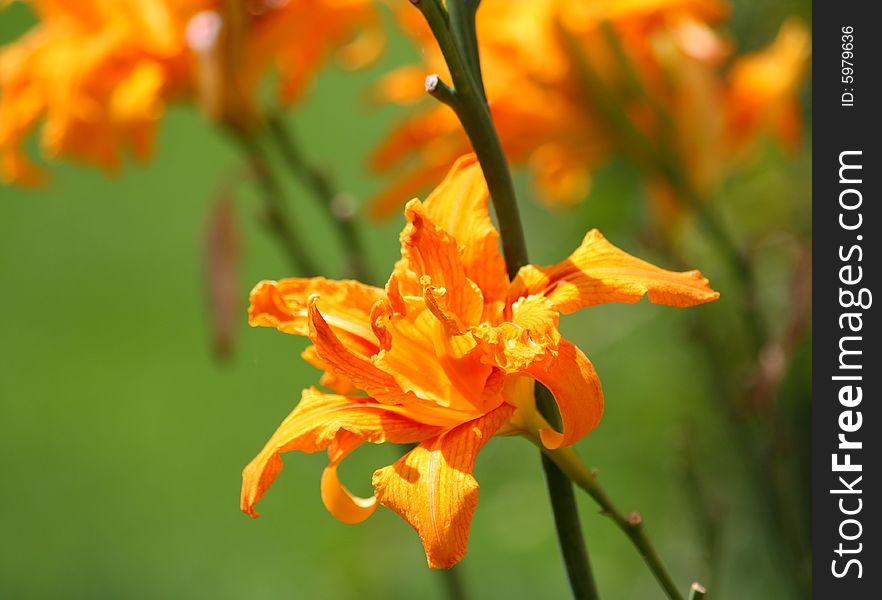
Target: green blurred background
{"x": 122, "y": 439}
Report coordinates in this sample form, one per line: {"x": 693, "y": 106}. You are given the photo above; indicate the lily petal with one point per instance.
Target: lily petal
{"x": 315, "y": 423}
{"x": 572, "y": 380}
{"x": 432, "y": 487}
{"x": 339, "y": 501}
{"x": 343, "y": 363}
{"x": 530, "y": 337}
{"x": 429, "y": 250}
{"x": 334, "y": 381}
{"x": 598, "y": 272}
{"x": 459, "y": 206}
{"x": 346, "y": 306}
{"x": 424, "y": 359}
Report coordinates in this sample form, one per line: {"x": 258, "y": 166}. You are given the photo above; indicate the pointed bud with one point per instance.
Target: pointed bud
{"x": 221, "y": 265}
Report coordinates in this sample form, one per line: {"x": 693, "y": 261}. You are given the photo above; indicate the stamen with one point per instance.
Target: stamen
{"x": 431, "y": 296}
{"x": 396, "y": 300}
{"x": 381, "y": 311}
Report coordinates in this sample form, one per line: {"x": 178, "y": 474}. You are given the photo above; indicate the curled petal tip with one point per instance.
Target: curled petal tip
{"x": 550, "y": 438}
{"x": 248, "y": 501}
{"x": 341, "y": 503}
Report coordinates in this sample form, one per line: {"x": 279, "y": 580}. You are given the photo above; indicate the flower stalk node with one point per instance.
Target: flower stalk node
{"x": 697, "y": 591}
{"x": 441, "y": 92}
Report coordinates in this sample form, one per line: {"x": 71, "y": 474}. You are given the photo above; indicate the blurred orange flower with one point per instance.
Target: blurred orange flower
{"x": 447, "y": 354}
{"x": 553, "y": 68}
{"x": 100, "y": 72}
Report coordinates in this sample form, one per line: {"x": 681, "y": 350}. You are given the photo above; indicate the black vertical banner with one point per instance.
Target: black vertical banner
{"x": 846, "y": 175}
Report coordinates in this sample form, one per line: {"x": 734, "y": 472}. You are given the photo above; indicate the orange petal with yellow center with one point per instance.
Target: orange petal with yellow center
{"x": 598, "y": 272}
{"x": 572, "y": 380}
{"x": 432, "y": 487}
{"x": 315, "y": 423}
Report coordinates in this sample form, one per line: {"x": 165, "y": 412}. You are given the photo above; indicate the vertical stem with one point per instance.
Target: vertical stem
{"x": 566, "y": 513}
{"x": 455, "y": 586}
{"x": 474, "y": 116}
{"x": 462, "y": 27}
{"x": 467, "y": 100}
{"x": 320, "y": 186}
{"x": 277, "y": 219}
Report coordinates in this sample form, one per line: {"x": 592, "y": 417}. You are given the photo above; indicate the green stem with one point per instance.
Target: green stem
{"x": 468, "y": 102}
{"x": 320, "y": 187}
{"x": 277, "y": 219}
{"x": 566, "y": 512}
{"x": 474, "y": 115}
{"x": 454, "y": 584}
{"x": 462, "y": 26}
{"x": 632, "y": 525}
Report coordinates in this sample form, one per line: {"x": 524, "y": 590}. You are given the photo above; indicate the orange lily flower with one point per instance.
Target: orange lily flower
{"x": 100, "y": 73}
{"x": 715, "y": 105}
{"x": 763, "y": 90}
{"x": 447, "y": 355}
